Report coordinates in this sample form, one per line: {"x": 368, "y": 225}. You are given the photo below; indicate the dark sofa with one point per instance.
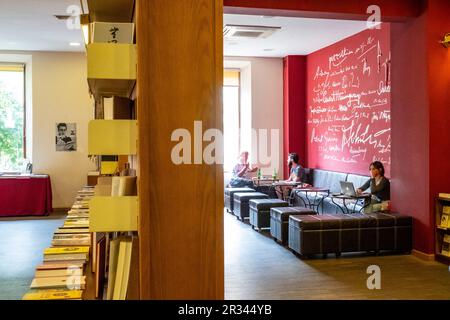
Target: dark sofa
{"x": 329, "y": 180}
{"x": 339, "y": 233}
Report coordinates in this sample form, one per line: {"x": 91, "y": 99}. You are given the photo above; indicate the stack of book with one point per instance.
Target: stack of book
{"x": 61, "y": 276}
{"x": 445, "y": 218}
{"x": 446, "y": 246}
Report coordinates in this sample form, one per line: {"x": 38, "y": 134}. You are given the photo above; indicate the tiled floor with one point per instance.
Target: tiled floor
{"x": 21, "y": 245}
{"x": 258, "y": 268}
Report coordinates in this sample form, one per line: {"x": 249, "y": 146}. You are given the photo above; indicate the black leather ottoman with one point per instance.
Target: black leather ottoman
{"x": 323, "y": 234}
{"x": 260, "y": 211}
{"x": 241, "y": 203}
{"x": 279, "y": 221}
{"x": 229, "y": 200}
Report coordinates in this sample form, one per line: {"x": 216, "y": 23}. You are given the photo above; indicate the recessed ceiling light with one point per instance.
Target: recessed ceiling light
{"x": 75, "y": 44}
{"x": 269, "y": 49}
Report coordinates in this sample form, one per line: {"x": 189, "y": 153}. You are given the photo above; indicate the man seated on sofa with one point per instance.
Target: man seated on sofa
{"x": 294, "y": 175}
{"x": 380, "y": 187}
{"x": 240, "y": 172}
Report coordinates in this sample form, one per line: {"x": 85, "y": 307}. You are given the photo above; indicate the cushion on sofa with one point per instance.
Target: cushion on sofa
{"x": 357, "y": 180}
{"x": 328, "y": 179}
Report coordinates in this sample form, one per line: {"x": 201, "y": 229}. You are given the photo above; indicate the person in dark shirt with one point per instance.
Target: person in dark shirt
{"x": 284, "y": 192}
{"x": 379, "y": 185}
{"x": 294, "y": 166}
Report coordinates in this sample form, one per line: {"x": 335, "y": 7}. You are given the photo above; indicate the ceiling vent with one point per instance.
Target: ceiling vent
{"x": 62, "y": 17}
{"x": 248, "y": 32}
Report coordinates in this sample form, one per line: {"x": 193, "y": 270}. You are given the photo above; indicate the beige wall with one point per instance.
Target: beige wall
{"x": 60, "y": 94}
{"x": 265, "y": 78}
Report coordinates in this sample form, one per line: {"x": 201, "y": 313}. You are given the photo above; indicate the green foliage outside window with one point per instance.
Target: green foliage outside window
{"x": 11, "y": 131}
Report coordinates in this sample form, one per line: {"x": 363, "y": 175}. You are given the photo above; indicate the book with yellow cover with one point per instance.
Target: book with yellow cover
{"x": 69, "y": 282}
{"x": 60, "y": 265}
{"x": 445, "y": 221}
{"x": 71, "y": 231}
{"x": 65, "y": 257}
{"x": 54, "y": 295}
{"x": 63, "y": 250}
{"x": 59, "y": 273}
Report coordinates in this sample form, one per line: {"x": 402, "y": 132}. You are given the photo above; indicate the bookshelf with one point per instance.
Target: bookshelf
{"x": 111, "y": 69}
{"x": 111, "y": 11}
{"x": 113, "y": 214}
{"x": 441, "y": 231}
{"x": 112, "y": 72}
{"x": 112, "y": 137}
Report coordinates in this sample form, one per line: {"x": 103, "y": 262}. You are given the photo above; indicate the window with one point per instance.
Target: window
{"x": 12, "y": 117}
{"x": 231, "y": 118}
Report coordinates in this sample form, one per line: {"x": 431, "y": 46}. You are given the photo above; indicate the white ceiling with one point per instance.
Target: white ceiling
{"x": 298, "y": 36}
{"x": 31, "y": 25}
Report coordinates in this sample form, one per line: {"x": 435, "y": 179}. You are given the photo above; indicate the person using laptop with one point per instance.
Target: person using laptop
{"x": 380, "y": 187}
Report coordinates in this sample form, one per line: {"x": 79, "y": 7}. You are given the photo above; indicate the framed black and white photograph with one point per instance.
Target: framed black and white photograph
{"x": 66, "y": 136}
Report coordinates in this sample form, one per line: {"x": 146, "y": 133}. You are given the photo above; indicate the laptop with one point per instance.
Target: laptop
{"x": 348, "y": 189}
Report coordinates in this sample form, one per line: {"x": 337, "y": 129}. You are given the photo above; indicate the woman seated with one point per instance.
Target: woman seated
{"x": 240, "y": 172}
{"x": 380, "y": 187}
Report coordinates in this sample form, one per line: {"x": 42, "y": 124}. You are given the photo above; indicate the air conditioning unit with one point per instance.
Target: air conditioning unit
{"x": 248, "y": 32}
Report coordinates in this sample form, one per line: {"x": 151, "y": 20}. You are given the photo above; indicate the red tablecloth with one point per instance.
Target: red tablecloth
{"x": 25, "y": 196}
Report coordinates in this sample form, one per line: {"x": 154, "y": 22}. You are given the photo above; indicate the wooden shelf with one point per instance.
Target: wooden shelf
{"x": 441, "y": 258}
{"x": 111, "y": 11}
{"x": 110, "y": 87}
{"x": 111, "y": 69}
{"x": 113, "y": 214}
{"x": 440, "y": 232}
{"x": 112, "y": 137}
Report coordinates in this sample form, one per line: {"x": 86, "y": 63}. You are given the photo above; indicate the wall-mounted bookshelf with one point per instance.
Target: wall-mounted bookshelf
{"x": 111, "y": 69}
{"x": 442, "y": 250}
{"x": 111, "y": 73}
{"x": 113, "y": 214}
{"x": 111, "y": 11}
{"x": 112, "y": 137}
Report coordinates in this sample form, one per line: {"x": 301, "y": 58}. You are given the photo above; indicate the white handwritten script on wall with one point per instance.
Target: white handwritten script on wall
{"x": 349, "y": 106}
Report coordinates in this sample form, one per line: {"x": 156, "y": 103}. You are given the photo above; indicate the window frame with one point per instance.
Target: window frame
{"x": 23, "y": 66}
{"x": 239, "y": 101}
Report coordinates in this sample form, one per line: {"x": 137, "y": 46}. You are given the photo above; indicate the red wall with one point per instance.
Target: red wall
{"x": 348, "y": 103}
{"x": 410, "y": 184}
{"x": 438, "y": 76}
{"x": 420, "y": 97}
{"x": 294, "y": 106}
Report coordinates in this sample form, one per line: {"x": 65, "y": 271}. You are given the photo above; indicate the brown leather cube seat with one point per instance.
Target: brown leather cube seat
{"x": 241, "y": 203}
{"x": 260, "y": 211}
{"x": 279, "y": 221}
{"x": 229, "y": 199}
{"x": 338, "y": 233}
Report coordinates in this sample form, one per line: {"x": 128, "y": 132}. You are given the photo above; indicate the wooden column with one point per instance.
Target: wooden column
{"x": 180, "y": 73}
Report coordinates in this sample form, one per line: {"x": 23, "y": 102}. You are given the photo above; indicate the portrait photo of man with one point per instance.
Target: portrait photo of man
{"x": 66, "y": 137}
